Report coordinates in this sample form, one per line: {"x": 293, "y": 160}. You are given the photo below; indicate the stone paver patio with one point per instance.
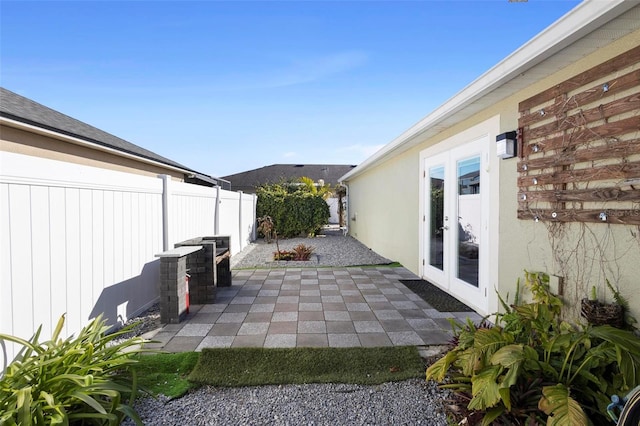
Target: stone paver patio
{"x": 306, "y": 307}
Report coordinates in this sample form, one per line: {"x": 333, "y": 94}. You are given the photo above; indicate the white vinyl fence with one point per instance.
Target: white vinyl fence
{"x": 82, "y": 240}
{"x": 334, "y": 210}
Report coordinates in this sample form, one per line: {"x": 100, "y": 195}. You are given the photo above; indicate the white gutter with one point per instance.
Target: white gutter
{"x": 580, "y": 21}
{"x": 77, "y": 141}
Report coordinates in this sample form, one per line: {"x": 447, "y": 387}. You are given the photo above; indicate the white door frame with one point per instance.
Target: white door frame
{"x": 475, "y": 297}
{"x": 436, "y": 275}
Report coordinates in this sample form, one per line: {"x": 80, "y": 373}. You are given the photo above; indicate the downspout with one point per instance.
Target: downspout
{"x": 346, "y": 203}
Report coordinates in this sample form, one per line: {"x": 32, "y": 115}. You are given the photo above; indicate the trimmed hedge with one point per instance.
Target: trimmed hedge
{"x": 294, "y": 214}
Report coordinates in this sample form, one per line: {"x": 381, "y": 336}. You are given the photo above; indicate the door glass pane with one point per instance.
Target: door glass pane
{"x": 469, "y": 209}
{"x": 436, "y": 234}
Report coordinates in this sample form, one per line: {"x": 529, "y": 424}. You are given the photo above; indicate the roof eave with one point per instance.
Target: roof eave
{"x": 580, "y": 21}
{"x": 79, "y": 141}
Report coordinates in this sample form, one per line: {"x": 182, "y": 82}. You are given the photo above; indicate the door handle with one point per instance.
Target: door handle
{"x": 445, "y": 228}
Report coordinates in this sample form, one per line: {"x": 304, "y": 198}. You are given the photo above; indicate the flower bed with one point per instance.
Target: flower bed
{"x": 300, "y": 252}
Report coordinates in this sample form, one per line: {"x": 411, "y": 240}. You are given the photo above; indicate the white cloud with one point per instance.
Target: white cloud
{"x": 290, "y": 154}
{"x": 318, "y": 68}
{"x": 293, "y": 71}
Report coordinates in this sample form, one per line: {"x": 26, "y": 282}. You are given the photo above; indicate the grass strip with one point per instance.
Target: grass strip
{"x": 166, "y": 373}
{"x": 234, "y": 367}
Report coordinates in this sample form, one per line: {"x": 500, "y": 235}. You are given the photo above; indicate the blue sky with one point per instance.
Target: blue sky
{"x": 228, "y": 86}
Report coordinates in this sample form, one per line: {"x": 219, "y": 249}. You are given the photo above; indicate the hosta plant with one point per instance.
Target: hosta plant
{"x": 84, "y": 379}
{"x": 534, "y": 368}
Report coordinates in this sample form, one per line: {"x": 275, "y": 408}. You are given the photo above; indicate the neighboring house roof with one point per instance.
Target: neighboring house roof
{"x": 18, "y": 108}
{"x": 590, "y": 26}
{"x": 249, "y": 180}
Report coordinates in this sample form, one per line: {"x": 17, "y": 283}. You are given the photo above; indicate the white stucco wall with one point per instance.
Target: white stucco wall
{"x": 586, "y": 254}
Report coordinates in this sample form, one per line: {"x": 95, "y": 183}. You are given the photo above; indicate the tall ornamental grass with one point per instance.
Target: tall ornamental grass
{"x": 84, "y": 379}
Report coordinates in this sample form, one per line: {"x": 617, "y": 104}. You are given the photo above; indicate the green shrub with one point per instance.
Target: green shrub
{"x": 294, "y": 212}
{"x": 532, "y": 367}
{"x": 86, "y": 379}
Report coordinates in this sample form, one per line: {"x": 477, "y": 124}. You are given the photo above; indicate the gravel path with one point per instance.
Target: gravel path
{"x": 409, "y": 402}
{"x": 331, "y": 248}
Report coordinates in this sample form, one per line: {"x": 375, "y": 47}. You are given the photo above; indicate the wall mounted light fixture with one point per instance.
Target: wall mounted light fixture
{"x": 506, "y": 145}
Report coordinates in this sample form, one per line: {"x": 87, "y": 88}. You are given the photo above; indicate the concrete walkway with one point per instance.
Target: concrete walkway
{"x": 306, "y": 307}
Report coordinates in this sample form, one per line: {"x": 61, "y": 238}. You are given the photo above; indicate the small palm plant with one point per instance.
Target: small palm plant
{"x": 532, "y": 367}
{"x": 88, "y": 379}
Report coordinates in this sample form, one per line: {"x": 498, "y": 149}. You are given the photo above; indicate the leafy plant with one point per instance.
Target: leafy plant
{"x": 302, "y": 252}
{"x": 265, "y": 227}
{"x": 323, "y": 190}
{"x": 88, "y": 379}
{"x": 283, "y": 255}
{"x": 598, "y": 312}
{"x": 532, "y": 367}
{"x": 594, "y": 294}
{"x": 619, "y": 299}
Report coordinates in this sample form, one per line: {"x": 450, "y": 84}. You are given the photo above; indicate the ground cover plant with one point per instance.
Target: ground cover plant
{"x": 260, "y": 366}
{"x": 83, "y": 379}
{"x": 532, "y": 367}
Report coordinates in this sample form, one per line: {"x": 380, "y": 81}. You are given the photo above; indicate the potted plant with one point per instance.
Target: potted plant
{"x": 600, "y": 313}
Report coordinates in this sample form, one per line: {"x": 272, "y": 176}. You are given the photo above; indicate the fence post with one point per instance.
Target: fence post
{"x": 166, "y": 194}
{"x": 216, "y": 220}
{"x": 253, "y": 217}
{"x": 240, "y": 218}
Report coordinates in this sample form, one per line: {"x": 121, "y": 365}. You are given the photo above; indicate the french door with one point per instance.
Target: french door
{"x": 455, "y": 222}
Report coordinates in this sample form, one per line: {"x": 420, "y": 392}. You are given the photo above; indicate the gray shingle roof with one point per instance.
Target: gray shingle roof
{"x": 19, "y": 108}
{"x": 248, "y": 180}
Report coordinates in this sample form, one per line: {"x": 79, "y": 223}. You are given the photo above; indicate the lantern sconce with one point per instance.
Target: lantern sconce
{"x": 506, "y": 145}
